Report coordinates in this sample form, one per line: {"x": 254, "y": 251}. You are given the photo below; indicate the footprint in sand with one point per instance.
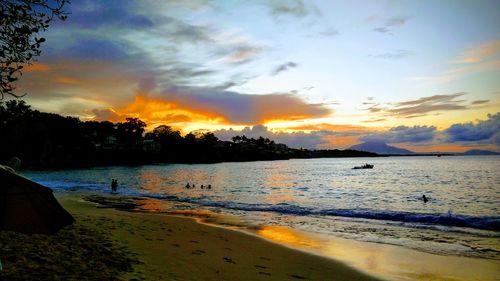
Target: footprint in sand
{"x": 260, "y": 266}
{"x": 296, "y": 276}
{"x": 264, "y": 258}
{"x": 264, "y": 273}
{"x": 176, "y": 245}
{"x": 229, "y": 260}
{"x": 194, "y": 241}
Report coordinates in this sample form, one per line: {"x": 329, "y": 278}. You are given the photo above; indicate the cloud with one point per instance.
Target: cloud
{"x": 400, "y": 134}
{"x": 244, "y": 109}
{"x": 397, "y": 21}
{"x": 180, "y": 31}
{"x": 421, "y": 106}
{"x": 107, "y": 114}
{"x": 399, "y": 54}
{"x": 478, "y": 59}
{"x": 179, "y": 105}
{"x": 337, "y": 129}
{"x": 295, "y": 8}
{"x": 294, "y": 139}
{"x": 485, "y": 131}
{"x": 391, "y": 23}
{"x": 90, "y": 49}
{"x": 317, "y": 136}
{"x": 107, "y": 13}
{"x": 374, "y": 120}
{"x": 241, "y": 54}
{"x": 156, "y": 111}
{"x": 479, "y": 53}
{"x": 283, "y": 67}
{"x": 382, "y": 29}
{"x": 36, "y": 67}
{"x": 480, "y": 102}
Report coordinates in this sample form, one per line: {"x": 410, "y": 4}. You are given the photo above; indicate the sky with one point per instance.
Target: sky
{"x": 422, "y": 75}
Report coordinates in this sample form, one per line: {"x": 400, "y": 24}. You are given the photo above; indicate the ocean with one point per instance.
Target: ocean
{"x": 325, "y": 197}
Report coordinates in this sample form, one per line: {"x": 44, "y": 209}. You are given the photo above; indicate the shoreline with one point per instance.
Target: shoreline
{"x": 181, "y": 248}
{"x": 376, "y": 259}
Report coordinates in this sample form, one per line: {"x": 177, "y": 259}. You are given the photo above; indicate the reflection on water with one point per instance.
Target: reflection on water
{"x": 387, "y": 261}
{"x": 327, "y": 197}
{"x": 287, "y": 236}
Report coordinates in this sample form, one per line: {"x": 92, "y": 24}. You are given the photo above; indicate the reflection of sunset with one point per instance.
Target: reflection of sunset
{"x": 287, "y": 236}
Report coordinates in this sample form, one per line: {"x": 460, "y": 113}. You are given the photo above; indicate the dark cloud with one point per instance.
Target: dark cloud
{"x": 374, "y": 120}
{"x": 422, "y": 106}
{"x": 480, "y": 102}
{"x": 90, "y": 48}
{"x": 243, "y": 108}
{"x": 397, "y": 21}
{"x": 295, "y": 8}
{"x": 415, "y": 134}
{"x": 382, "y": 29}
{"x": 283, "y": 67}
{"x": 487, "y": 131}
{"x": 179, "y": 31}
{"x": 107, "y": 13}
{"x": 392, "y": 23}
{"x": 373, "y": 108}
{"x": 399, "y": 54}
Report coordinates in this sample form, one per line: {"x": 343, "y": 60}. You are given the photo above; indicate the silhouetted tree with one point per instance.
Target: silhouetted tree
{"x": 20, "y": 22}
{"x": 169, "y": 139}
{"x": 209, "y": 139}
{"x": 131, "y": 131}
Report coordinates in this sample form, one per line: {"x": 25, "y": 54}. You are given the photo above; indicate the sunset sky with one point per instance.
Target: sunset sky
{"x": 423, "y": 75}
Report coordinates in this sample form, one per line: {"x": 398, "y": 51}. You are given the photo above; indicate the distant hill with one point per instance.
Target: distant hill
{"x": 480, "y": 152}
{"x": 380, "y": 148}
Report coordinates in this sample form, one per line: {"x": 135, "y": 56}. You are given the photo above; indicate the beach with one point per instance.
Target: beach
{"x": 144, "y": 246}
{"x": 372, "y": 222}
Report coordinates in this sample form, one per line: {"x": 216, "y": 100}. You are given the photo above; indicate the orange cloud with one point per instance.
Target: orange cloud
{"x": 36, "y": 67}
{"x": 328, "y": 127}
{"x": 66, "y": 80}
{"x": 479, "y": 53}
{"x": 156, "y": 111}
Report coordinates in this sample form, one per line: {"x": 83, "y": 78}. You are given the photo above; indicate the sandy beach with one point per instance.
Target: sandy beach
{"x": 111, "y": 244}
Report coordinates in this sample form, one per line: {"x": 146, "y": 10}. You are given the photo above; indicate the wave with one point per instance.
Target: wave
{"x": 448, "y": 219}
{"x": 443, "y": 219}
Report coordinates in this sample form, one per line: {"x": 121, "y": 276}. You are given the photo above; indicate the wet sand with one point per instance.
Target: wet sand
{"x": 146, "y": 246}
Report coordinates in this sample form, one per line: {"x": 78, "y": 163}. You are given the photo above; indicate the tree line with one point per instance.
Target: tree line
{"x": 48, "y": 140}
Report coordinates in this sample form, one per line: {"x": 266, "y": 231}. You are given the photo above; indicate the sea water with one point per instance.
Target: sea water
{"x": 326, "y": 196}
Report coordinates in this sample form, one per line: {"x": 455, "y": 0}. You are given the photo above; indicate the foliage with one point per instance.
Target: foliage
{"x": 20, "y": 23}
{"x": 49, "y": 140}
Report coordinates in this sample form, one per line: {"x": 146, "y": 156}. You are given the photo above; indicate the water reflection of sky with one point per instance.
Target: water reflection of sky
{"x": 386, "y": 261}
{"x": 462, "y": 185}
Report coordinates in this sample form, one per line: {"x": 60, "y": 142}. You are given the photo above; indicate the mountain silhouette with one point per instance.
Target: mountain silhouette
{"x": 480, "y": 152}
{"x": 380, "y": 148}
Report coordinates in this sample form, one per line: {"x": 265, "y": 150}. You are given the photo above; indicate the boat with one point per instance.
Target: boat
{"x": 365, "y": 166}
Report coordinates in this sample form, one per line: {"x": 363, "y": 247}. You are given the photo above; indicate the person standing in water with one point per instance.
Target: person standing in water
{"x": 424, "y": 198}
{"x": 114, "y": 185}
